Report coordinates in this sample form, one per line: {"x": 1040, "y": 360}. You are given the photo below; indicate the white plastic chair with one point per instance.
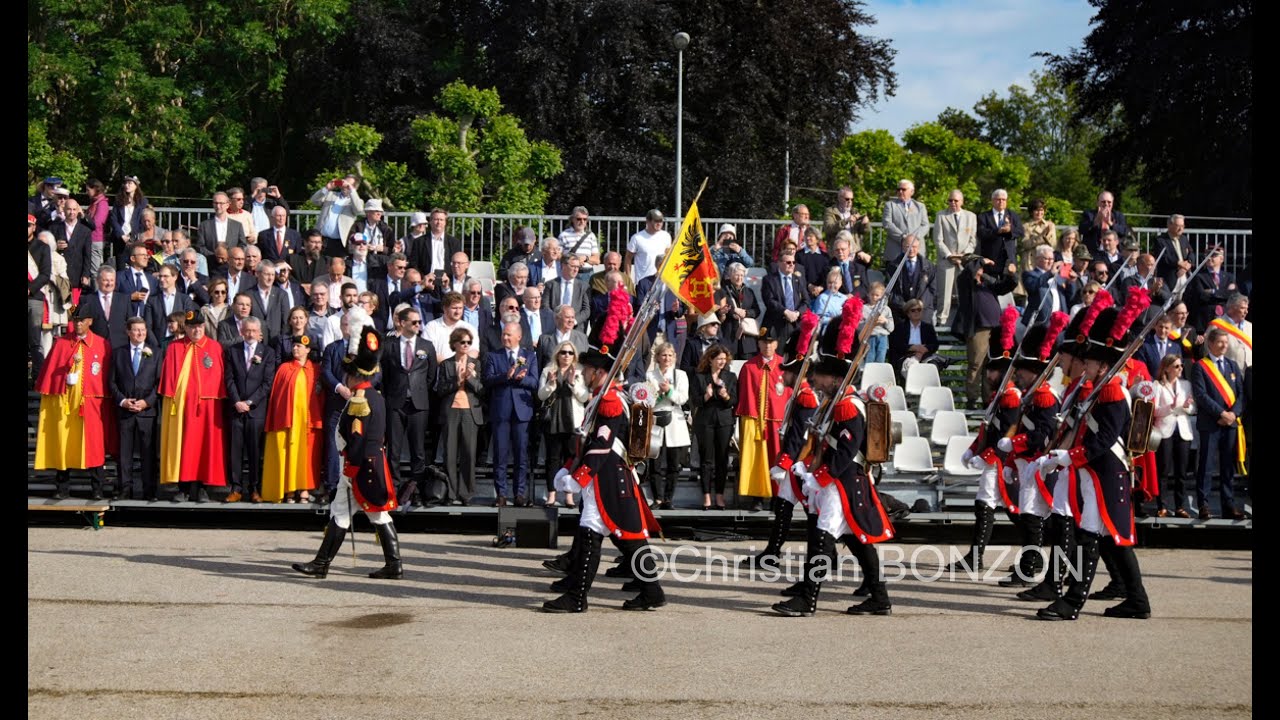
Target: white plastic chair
{"x": 933, "y": 399}
{"x": 895, "y": 397}
{"x": 951, "y": 464}
{"x": 913, "y": 455}
{"x": 736, "y": 366}
{"x": 482, "y": 270}
{"x": 921, "y": 376}
{"x": 946, "y": 425}
{"x": 906, "y": 420}
{"x": 878, "y": 374}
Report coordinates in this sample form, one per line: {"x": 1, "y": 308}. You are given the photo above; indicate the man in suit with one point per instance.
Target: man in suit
{"x": 135, "y": 374}
{"x": 1177, "y": 259}
{"x": 1046, "y": 288}
{"x": 784, "y": 296}
{"x": 534, "y": 318}
{"x": 269, "y": 303}
{"x": 914, "y": 340}
{"x": 1207, "y": 293}
{"x": 250, "y": 369}
{"x": 476, "y": 310}
{"x": 135, "y": 281}
{"x": 74, "y": 240}
{"x": 219, "y": 229}
{"x": 190, "y": 282}
{"x": 434, "y": 252}
{"x": 292, "y": 290}
{"x": 309, "y": 262}
{"x": 510, "y": 375}
{"x": 409, "y": 371}
{"x": 238, "y": 278}
{"x": 164, "y": 302}
{"x": 1239, "y": 329}
{"x": 916, "y": 281}
{"x": 1218, "y": 388}
{"x": 853, "y": 273}
{"x": 1093, "y": 223}
{"x": 981, "y": 284}
{"x": 279, "y": 241}
{"x": 455, "y": 278}
{"x": 843, "y": 217}
{"x": 565, "y": 330}
{"x": 569, "y": 289}
{"x": 598, "y": 286}
{"x": 108, "y": 308}
{"x": 1157, "y": 345}
{"x": 903, "y": 216}
{"x": 231, "y": 329}
{"x": 388, "y": 289}
{"x": 955, "y": 234}
{"x": 491, "y": 335}
{"x": 377, "y": 234}
{"x": 545, "y": 264}
{"x": 517, "y": 281}
{"x": 999, "y": 231}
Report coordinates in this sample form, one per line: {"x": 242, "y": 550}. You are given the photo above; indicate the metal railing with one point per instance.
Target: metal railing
{"x": 487, "y": 237}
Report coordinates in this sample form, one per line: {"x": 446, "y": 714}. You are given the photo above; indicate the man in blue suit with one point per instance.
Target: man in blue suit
{"x": 1218, "y": 388}
{"x": 135, "y": 374}
{"x": 510, "y": 376}
{"x": 1047, "y": 290}
{"x": 1157, "y": 345}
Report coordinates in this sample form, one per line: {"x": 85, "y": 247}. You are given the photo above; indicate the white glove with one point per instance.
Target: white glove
{"x": 1028, "y": 473}
{"x": 811, "y": 486}
{"x": 976, "y": 462}
{"x": 799, "y": 469}
{"x": 1059, "y": 458}
{"x": 1005, "y": 445}
{"x": 777, "y": 474}
{"x": 562, "y": 480}
{"x": 966, "y": 457}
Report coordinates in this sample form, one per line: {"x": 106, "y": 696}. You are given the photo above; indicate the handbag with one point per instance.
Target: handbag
{"x": 747, "y": 325}
{"x": 662, "y": 418}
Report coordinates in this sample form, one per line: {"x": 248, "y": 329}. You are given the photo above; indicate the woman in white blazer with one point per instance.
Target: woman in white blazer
{"x": 1173, "y": 429}
{"x": 669, "y": 422}
{"x": 564, "y": 395}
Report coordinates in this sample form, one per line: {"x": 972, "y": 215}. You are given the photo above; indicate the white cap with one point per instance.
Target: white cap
{"x": 419, "y": 218}
{"x": 374, "y": 205}
{"x": 728, "y": 228}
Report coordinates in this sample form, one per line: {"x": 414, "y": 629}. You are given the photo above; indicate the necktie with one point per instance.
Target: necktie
{"x": 848, "y": 281}
{"x": 1217, "y": 309}
{"x": 395, "y": 286}
{"x": 1222, "y": 366}
{"x": 999, "y": 219}
{"x": 408, "y": 354}
{"x": 248, "y": 356}
{"x": 279, "y": 243}
{"x": 137, "y": 359}
{"x": 512, "y": 357}
{"x": 568, "y": 294}
{"x": 106, "y": 308}
{"x": 137, "y": 281}
{"x": 787, "y": 293}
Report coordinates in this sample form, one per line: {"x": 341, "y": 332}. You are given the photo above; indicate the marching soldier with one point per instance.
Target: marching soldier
{"x": 612, "y": 503}
{"x": 1100, "y": 478}
{"x": 365, "y": 483}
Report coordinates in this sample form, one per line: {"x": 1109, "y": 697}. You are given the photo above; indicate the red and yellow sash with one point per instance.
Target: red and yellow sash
{"x": 1230, "y": 328}
{"x": 1229, "y": 398}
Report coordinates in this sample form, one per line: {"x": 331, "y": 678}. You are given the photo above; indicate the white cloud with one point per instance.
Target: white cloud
{"x": 952, "y": 52}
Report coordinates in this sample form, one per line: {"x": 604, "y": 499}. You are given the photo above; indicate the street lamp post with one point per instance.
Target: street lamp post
{"x": 681, "y": 41}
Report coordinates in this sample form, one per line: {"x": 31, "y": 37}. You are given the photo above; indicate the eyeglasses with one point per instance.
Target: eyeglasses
{"x": 579, "y": 219}
{"x": 1176, "y": 366}
{"x": 903, "y": 189}
{"x": 217, "y": 292}
{"x": 847, "y": 199}
{"x": 474, "y": 292}
{"x": 787, "y": 262}
{"x": 400, "y": 267}
{"x": 188, "y": 262}
{"x": 566, "y": 352}
{"x": 463, "y": 342}
{"x": 412, "y": 322}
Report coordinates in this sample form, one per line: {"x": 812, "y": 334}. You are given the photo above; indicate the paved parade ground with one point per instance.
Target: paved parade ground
{"x": 190, "y": 624}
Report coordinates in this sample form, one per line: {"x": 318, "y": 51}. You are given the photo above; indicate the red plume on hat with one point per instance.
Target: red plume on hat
{"x": 1135, "y": 304}
{"x": 1008, "y": 329}
{"x": 850, "y": 316}
{"x": 808, "y": 323}
{"x": 1100, "y": 303}
{"x": 1058, "y": 321}
{"x": 615, "y": 319}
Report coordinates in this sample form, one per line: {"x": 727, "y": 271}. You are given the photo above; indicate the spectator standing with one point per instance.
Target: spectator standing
{"x": 707, "y": 336}
{"x": 294, "y": 418}
{"x": 75, "y": 242}
{"x": 736, "y": 302}
{"x": 999, "y": 232}
{"x": 569, "y": 289}
{"x": 545, "y": 264}
{"x": 565, "y": 331}
{"x": 903, "y": 216}
{"x": 264, "y": 198}
{"x": 97, "y": 217}
{"x": 577, "y": 239}
{"x": 1177, "y": 259}
{"x": 511, "y": 378}
{"x": 784, "y": 295}
{"x": 853, "y": 274}
{"x": 1172, "y": 433}
{"x": 376, "y": 233}
{"x": 135, "y": 375}
{"x": 916, "y": 281}
{"x": 217, "y": 309}
{"x": 1157, "y": 346}
{"x": 713, "y": 393}
{"x": 1218, "y": 388}
{"x": 1093, "y": 223}
{"x": 277, "y": 240}
{"x": 646, "y": 247}
{"x": 1207, "y": 292}
{"x": 1190, "y": 341}
{"x": 250, "y": 369}
{"x": 523, "y": 240}
{"x": 39, "y": 274}
{"x": 727, "y": 250}
{"x": 564, "y": 395}
{"x": 882, "y": 319}
{"x": 165, "y": 301}
{"x": 340, "y": 204}
{"x": 192, "y": 383}
{"x": 955, "y": 235}
{"x": 1045, "y": 286}
{"x": 981, "y": 283}
{"x": 433, "y": 253}
{"x": 409, "y": 375}
{"x": 813, "y": 262}
{"x": 108, "y": 308}
{"x": 671, "y": 427}
{"x": 793, "y": 231}
{"x": 1235, "y": 322}
{"x": 600, "y": 280}
{"x": 307, "y": 263}
{"x": 1037, "y": 231}
{"x": 458, "y": 390}
{"x": 842, "y": 216}
{"x": 269, "y": 303}
{"x": 221, "y": 230}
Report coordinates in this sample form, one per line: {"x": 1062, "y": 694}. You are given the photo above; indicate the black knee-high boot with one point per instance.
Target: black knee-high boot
{"x": 393, "y": 569}
{"x": 1076, "y": 593}
{"x": 782, "y": 511}
{"x": 1030, "y": 562}
{"x": 582, "y": 574}
{"x": 813, "y": 538}
{"x": 334, "y": 534}
{"x": 873, "y": 580}
{"x": 806, "y": 603}
{"x": 1135, "y": 605}
{"x": 1115, "y": 589}
{"x": 1059, "y": 533}
{"x": 984, "y": 519}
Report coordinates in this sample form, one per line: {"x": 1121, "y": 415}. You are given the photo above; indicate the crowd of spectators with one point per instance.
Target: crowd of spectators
{"x": 467, "y": 370}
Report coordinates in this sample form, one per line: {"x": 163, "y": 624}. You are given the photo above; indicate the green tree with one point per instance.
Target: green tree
{"x": 43, "y": 160}
{"x": 1178, "y": 78}
{"x": 352, "y": 147}
{"x": 183, "y": 93}
{"x": 479, "y": 158}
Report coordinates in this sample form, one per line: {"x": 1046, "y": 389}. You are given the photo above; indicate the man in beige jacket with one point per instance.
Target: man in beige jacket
{"x": 955, "y": 235}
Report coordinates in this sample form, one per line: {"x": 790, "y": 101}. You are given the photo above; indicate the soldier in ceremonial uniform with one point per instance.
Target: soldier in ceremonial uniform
{"x": 787, "y": 491}
{"x": 995, "y": 489}
{"x": 366, "y": 483}
{"x": 1028, "y": 441}
{"x": 847, "y": 503}
{"x": 1100, "y": 474}
{"x": 73, "y": 384}
{"x": 612, "y": 505}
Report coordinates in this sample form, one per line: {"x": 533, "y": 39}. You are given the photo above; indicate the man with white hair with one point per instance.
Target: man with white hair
{"x": 903, "y": 216}
{"x": 517, "y": 281}
{"x": 1047, "y": 290}
{"x": 1093, "y": 223}
{"x": 999, "y": 231}
{"x": 955, "y": 235}
{"x": 545, "y": 264}
{"x": 108, "y": 308}
{"x": 269, "y": 303}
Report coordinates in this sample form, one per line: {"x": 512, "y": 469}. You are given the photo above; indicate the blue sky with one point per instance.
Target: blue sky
{"x": 952, "y": 52}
